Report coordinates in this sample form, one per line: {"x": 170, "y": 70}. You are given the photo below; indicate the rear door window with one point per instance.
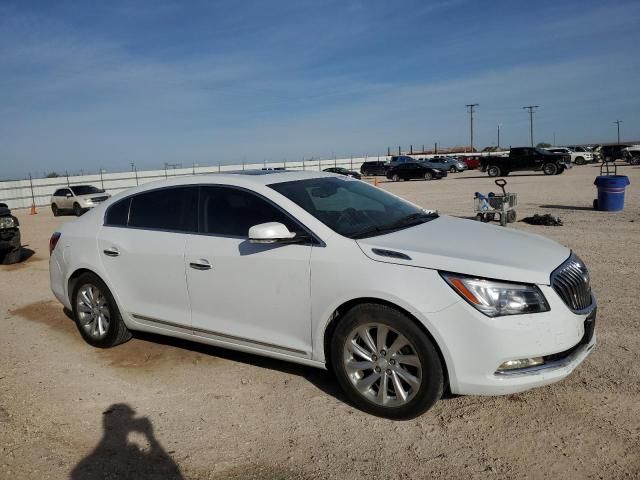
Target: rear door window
{"x": 118, "y": 213}
{"x": 172, "y": 209}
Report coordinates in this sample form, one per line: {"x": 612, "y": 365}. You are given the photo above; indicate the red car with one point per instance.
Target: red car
{"x": 472, "y": 162}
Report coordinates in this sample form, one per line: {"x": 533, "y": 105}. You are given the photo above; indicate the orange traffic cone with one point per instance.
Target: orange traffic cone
{"x": 375, "y": 181}
{"x": 33, "y": 209}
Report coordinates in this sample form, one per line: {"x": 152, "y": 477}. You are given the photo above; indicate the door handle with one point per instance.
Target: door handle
{"x": 201, "y": 264}
{"x": 111, "y": 252}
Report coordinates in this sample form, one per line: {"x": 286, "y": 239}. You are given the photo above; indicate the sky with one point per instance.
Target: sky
{"x": 89, "y": 85}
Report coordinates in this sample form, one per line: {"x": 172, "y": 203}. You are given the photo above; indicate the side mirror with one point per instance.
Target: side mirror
{"x": 68, "y": 195}
{"x": 271, "y": 232}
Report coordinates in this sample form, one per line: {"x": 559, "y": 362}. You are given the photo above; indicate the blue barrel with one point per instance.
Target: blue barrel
{"x": 610, "y": 192}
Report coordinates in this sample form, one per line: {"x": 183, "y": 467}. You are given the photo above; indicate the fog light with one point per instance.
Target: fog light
{"x": 520, "y": 363}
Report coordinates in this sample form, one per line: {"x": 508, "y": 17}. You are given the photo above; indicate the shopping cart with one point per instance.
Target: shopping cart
{"x": 503, "y": 206}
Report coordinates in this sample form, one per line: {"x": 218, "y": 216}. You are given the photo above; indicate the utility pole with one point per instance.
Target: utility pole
{"x": 530, "y": 108}
{"x": 618, "y": 122}
{"x": 499, "y": 136}
{"x": 471, "y": 107}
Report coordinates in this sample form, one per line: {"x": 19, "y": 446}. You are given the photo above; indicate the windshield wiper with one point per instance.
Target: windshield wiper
{"x": 409, "y": 220}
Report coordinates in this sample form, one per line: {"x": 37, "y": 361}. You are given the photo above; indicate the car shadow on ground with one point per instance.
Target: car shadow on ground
{"x": 502, "y": 176}
{"x": 117, "y": 456}
{"x": 567, "y": 207}
{"x": 323, "y": 380}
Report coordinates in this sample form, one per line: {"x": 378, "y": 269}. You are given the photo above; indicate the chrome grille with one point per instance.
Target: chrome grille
{"x": 571, "y": 282}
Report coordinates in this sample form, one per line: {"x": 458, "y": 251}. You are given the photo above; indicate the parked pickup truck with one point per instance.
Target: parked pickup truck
{"x": 525, "y": 159}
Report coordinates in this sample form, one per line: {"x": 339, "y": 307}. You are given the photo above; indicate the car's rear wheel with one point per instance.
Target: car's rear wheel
{"x": 579, "y": 161}
{"x": 385, "y": 363}
{"x": 54, "y": 209}
{"x": 96, "y": 313}
{"x": 550, "y": 168}
{"x": 493, "y": 171}
{"x": 428, "y": 176}
{"x": 395, "y": 177}
{"x": 77, "y": 210}
{"x": 12, "y": 256}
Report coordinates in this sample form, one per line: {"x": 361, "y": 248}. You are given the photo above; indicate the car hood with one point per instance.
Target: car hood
{"x": 472, "y": 248}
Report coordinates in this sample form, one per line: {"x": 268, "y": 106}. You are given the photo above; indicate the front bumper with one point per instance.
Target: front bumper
{"x": 474, "y": 346}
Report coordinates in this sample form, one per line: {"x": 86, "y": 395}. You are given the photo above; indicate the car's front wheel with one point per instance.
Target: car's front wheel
{"x": 453, "y": 170}
{"x": 428, "y": 176}
{"x": 493, "y": 171}
{"x": 395, "y": 177}
{"x": 77, "y": 209}
{"x": 96, "y": 313}
{"x": 54, "y": 210}
{"x": 386, "y": 363}
{"x": 579, "y": 161}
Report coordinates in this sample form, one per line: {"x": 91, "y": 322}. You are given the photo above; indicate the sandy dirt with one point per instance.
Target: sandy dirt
{"x": 162, "y": 408}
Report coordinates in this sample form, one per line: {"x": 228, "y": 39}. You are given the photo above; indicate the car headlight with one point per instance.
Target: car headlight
{"x": 495, "y": 298}
{"x": 8, "y": 222}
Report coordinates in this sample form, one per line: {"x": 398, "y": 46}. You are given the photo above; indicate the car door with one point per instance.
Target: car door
{"x": 142, "y": 250}
{"x": 66, "y": 200}
{"x": 251, "y": 294}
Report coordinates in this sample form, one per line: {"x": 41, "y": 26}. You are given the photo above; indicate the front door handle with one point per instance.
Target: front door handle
{"x": 201, "y": 264}
{"x": 111, "y": 252}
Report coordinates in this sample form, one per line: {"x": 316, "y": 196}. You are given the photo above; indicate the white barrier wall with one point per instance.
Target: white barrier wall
{"x": 38, "y": 191}
{"x": 24, "y": 193}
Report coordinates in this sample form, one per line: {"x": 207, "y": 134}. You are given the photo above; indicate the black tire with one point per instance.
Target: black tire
{"x": 428, "y": 176}
{"x": 579, "y": 161}
{"x": 395, "y": 177}
{"x": 493, "y": 171}
{"x": 117, "y": 332}
{"x": 431, "y": 386}
{"x": 634, "y": 160}
{"x": 550, "y": 168}
{"x": 54, "y": 209}
{"x": 560, "y": 170}
{"x": 13, "y": 256}
{"x": 453, "y": 170}
{"x": 511, "y": 216}
{"x": 77, "y": 210}
{"x": 505, "y": 174}
{"x": 595, "y": 204}
{"x": 366, "y": 173}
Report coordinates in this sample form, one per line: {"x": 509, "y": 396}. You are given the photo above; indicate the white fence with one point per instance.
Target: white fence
{"x": 24, "y": 193}
{"x": 38, "y": 191}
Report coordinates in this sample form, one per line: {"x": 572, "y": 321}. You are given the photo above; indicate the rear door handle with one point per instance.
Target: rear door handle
{"x": 111, "y": 252}
{"x": 201, "y": 264}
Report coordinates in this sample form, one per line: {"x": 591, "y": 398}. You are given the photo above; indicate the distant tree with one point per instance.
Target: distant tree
{"x": 543, "y": 145}
{"x": 52, "y": 175}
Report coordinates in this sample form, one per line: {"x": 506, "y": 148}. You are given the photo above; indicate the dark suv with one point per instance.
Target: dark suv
{"x": 611, "y": 153}
{"x": 414, "y": 170}
{"x": 375, "y": 167}
{"x": 10, "y": 247}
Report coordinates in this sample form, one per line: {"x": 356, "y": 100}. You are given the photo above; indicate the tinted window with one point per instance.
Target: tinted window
{"x": 85, "y": 190}
{"x": 231, "y": 211}
{"x": 118, "y": 213}
{"x": 166, "y": 209}
{"x": 59, "y": 193}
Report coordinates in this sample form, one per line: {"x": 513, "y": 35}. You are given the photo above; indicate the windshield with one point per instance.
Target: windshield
{"x": 352, "y": 208}
{"x": 85, "y": 190}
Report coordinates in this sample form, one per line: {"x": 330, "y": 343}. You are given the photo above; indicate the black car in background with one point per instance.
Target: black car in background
{"x": 414, "y": 170}
{"x": 525, "y": 159}
{"x": 10, "y": 247}
{"x": 611, "y": 153}
{"x": 375, "y": 167}
{"x": 343, "y": 171}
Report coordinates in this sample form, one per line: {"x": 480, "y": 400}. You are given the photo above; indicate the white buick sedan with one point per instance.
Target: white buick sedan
{"x": 328, "y": 271}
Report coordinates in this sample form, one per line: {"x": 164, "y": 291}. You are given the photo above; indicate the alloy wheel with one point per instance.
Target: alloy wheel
{"x": 382, "y": 365}
{"x": 94, "y": 315}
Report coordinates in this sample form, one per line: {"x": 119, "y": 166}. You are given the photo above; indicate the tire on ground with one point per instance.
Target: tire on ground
{"x": 432, "y": 385}
{"x": 117, "y": 331}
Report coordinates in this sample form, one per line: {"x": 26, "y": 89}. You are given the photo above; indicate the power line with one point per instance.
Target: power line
{"x": 530, "y": 108}
{"x": 471, "y": 107}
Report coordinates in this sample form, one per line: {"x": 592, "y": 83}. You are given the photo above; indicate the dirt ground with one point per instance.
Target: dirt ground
{"x": 162, "y": 408}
